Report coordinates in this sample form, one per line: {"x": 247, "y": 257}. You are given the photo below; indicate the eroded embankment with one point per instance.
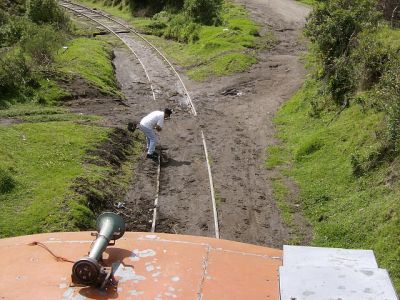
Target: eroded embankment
{"x": 106, "y": 192}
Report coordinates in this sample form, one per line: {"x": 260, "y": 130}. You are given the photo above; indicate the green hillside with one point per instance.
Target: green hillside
{"x": 340, "y": 133}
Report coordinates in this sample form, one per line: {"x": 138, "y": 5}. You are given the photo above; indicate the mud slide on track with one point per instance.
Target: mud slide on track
{"x": 237, "y": 113}
{"x": 184, "y": 199}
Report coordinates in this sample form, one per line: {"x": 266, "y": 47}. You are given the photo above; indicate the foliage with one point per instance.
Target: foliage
{"x": 91, "y": 60}
{"x": 45, "y": 157}
{"x": 177, "y": 27}
{"x": 334, "y": 27}
{"x": 348, "y": 209}
{"x": 13, "y": 29}
{"x": 14, "y": 7}
{"x": 14, "y": 73}
{"x": 391, "y": 11}
{"x": 204, "y": 54}
{"x": 203, "y": 11}
{"x": 41, "y": 44}
{"x": 387, "y": 93}
{"x": 358, "y": 54}
{"x": 47, "y": 12}
{"x": 7, "y": 182}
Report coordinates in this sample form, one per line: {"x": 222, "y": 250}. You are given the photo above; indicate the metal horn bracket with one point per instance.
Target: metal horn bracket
{"x": 88, "y": 271}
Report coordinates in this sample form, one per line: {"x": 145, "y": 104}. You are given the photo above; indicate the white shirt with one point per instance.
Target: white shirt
{"x": 152, "y": 119}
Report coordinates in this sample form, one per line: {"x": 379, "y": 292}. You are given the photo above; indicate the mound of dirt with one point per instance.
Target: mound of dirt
{"x": 103, "y": 194}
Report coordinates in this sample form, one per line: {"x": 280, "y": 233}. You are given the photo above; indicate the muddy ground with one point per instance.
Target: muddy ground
{"x": 235, "y": 113}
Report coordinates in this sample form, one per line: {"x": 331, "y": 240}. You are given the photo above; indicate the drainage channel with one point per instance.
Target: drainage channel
{"x": 116, "y": 28}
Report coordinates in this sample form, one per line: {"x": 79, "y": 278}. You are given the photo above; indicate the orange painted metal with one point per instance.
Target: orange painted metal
{"x": 147, "y": 266}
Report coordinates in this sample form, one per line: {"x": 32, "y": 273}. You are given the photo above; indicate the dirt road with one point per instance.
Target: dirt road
{"x": 238, "y": 128}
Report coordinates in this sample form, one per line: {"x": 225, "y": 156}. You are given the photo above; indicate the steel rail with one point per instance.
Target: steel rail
{"x": 216, "y": 226}
{"x": 194, "y": 112}
{"x": 113, "y": 32}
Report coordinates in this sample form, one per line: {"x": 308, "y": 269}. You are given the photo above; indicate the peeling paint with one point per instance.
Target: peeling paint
{"x": 158, "y": 297}
{"x": 136, "y": 293}
{"x": 137, "y": 254}
{"x": 126, "y": 273}
{"x": 156, "y": 274}
{"x": 175, "y": 278}
{"x": 69, "y": 295}
{"x": 152, "y": 237}
{"x": 63, "y": 285}
{"x": 150, "y": 268}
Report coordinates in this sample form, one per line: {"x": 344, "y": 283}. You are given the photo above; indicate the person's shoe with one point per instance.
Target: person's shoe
{"x": 153, "y": 156}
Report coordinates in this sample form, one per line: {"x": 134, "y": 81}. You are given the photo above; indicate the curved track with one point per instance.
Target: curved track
{"x": 165, "y": 83}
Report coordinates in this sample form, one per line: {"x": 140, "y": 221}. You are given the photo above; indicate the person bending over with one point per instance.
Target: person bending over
{"x": 154, "y": 120}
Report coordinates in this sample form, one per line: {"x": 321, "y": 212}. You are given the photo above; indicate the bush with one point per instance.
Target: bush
{"x": 41, "y": 42}
{"x": 47, "y": 12}
{"x": 14, "y": 72}
{"x": 372, "y": 56}
{"x": 7, "y": 182}
{"x": 13, "y": 30}
{"x": 387, "y": 94}
{"x": 334, "y": 27}
{"x": 204, "y": 11}
{"x": 182, "y": 29}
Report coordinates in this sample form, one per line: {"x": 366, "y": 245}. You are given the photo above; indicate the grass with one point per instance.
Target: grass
{"x": 43, "y": 156}
{"x": 220, "y": 50}
{"x": 42, "y": 159}
{"x": 281, "y": 193}
{"x": 34, "y": 113}
{"x": 90, "y": 59}
{"x": 277, "y": 155}
{"x": 345, "y": 210}
{"x": 308, "y": 2}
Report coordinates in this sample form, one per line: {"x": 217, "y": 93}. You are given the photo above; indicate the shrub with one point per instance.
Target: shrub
{"x": 13, "y": 30}
{"x": 334, "y": 27}
{"x": 41, "y": 42}
{"x": 7, "y": 182}
{"x": 387, "y": 94}
{"x": 204, "y": 11}
{"x": 182, "y": 29}
{"x": 47, "y": 12}
{"x": 373, "y": 57}
{"x": 340, "y": 80}
{"x": 367, "y": 158}
{"x": 14, "y": 72}
{"x": 146, "y": 7}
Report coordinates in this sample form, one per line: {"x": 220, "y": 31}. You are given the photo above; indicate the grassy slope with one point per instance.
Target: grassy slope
{"x": 220, "y": 50}
{"x": 90, "y": 59}
{"x": 45, "y": 155}
{"x": 44, "y": 159}
{"x": 345, "y": 210}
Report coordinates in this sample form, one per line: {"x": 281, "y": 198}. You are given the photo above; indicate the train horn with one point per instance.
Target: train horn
{"x": 88, "y": 271}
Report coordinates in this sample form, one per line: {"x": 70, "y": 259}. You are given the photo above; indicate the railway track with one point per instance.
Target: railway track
{"x": 139, "y": 46}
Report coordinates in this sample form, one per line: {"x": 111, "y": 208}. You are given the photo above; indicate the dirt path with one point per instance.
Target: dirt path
{"x": 238, "y": 128}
